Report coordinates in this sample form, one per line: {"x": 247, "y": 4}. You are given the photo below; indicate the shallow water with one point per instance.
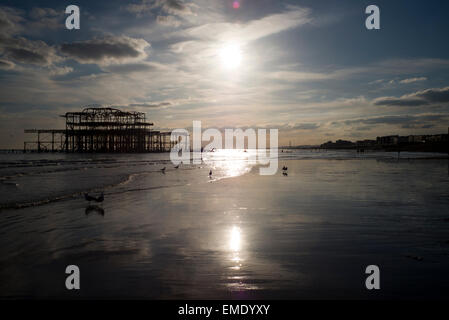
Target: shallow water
{"x": 237, "y": 234}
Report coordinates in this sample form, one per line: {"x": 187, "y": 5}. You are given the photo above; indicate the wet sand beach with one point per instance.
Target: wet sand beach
{"x": 181, "y": 234}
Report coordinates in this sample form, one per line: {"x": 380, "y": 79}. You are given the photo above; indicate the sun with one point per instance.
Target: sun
{"x": 231, "y": 56}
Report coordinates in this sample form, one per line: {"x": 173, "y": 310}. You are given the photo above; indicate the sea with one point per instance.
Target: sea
{"x": 219, "y": 229}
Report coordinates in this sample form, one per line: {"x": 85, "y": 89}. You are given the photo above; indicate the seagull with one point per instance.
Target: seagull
{"x": 210, "y": 173}
{"x": 163, "y": 170}
{"x": 176, "y": 167}
{"x": 88, "y": 197}
{"x": 284, "y": 168}
{"x": 92, "y": 198}
{"x": 100, "y": 198}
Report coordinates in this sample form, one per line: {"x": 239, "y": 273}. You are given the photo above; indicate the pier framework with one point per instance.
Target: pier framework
{"x": 97, "y": 129}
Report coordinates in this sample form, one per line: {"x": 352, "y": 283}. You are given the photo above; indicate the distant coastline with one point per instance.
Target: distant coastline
{"x": 394, "y": 143}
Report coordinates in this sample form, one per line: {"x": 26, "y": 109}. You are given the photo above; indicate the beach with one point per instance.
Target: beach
{"x": 181, "y": 234}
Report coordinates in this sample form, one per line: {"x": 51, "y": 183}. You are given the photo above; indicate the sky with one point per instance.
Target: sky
{"x": 308, "y": 68}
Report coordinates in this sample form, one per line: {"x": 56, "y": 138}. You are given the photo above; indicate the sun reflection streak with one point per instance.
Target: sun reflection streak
{"x": 235, "y": 239}
{"x": 230, "y": 163}
{"x": 235, "y": 246}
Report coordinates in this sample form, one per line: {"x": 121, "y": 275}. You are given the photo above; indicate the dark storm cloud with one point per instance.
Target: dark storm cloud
{"x": 107, "y": 50}
{"x": 419, "y": 98}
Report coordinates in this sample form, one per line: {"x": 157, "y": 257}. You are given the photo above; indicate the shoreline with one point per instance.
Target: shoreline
{"x": 249, "y": 235}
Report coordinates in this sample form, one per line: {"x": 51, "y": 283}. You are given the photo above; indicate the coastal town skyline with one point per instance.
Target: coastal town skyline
{"x": 311, "y": 70}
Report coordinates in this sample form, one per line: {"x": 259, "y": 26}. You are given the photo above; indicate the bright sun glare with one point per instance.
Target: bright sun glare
{"x": 231, "y": 56}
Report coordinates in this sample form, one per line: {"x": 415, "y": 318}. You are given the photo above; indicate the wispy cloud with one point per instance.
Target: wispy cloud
{"x": 411, "y": 80}
{"x": 175, "y": 7}
{"x": 419, "y": 98}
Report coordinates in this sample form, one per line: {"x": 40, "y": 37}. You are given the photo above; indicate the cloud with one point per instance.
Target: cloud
{"x": 306, "y": 126}
{"x": 10, "y": 20}
{"x": 301, "y": 76}
{"x": 106, "y": 51}
{"x": 435, "y": 95}
{"x": 396, "y": 66}
{"x": 14, "y": 21}
{"x": 380, "y": 120}
{"x": 154, "y": 105}
{"x": 400, "y": 102}
{"x": 174, "y": 7}
{"x": 60, "y": 71}
{"x": 39, "y": 13}
{"x": 419, "y": 98}
{"x": 44, "y": 18}
{"x": 406, "y": 121}
{"x": 6, "y": 65}
{"x": 411, "y": 80}
{"x": 23, "y": 50}
{"x": 168, "y": 21}
{"x": 292, "y": 17}
{"x": 132, "y": 68}
{"x": 27, "y": 51}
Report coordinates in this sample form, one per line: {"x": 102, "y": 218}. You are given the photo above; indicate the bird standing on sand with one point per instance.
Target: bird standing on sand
{"x": 100, "y": 198}
{"x": 88, "y": 197}
{"x": 176, "y": 167}
{"x": 284, "y": 171}
{"x": 163, "y": 170}
{"x": 210, "y": 173}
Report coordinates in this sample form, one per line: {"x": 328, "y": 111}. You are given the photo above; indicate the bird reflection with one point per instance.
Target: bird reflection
{"x": 94, "y": 208}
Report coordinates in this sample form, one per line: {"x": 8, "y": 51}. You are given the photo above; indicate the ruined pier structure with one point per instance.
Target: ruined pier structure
{"x": 101, "y": 130}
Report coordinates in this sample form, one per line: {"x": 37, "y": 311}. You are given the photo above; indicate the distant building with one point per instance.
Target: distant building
{"x": 437, "y": 138}
{"x": 339, "y": 144}
{"x": 388, "y": 140}
{"x": 366, "y": 143}
{"x": 436, "y": 142}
